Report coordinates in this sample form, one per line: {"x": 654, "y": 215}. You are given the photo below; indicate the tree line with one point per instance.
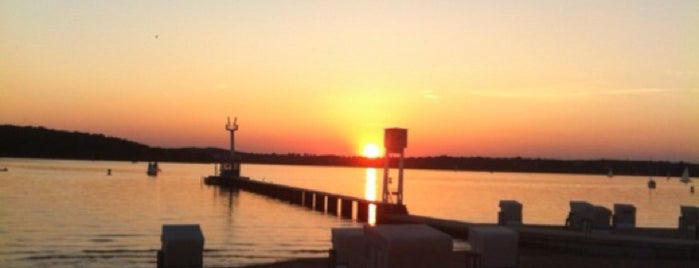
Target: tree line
{"x": 40, "y": 142}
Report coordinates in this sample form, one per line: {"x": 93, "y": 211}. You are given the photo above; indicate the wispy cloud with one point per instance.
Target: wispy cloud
{"x": 563, "y": 94}
{"x": 527, "y": 94}
{"x": 429, "y": 94}
{"x": 681, "y": 73}
{"x": 637, "y": 91}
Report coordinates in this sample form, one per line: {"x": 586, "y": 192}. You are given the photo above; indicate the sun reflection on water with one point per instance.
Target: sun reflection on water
{"x": 370, "y": 193}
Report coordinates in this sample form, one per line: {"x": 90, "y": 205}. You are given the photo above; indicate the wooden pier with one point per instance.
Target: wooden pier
{"x": 636, "y": 243}
{"x": 347, "y": 207}
{"x": 646, "y": 243}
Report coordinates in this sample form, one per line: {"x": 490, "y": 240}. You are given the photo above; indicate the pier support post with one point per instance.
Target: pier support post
{"x": 285, "y": 194}
{"x": 308, "y": 199}
{"x": 362, "y": 211}
{"x": 273, "y": 191}
{"x": 346, "y": 208}
{"x": 332, "y": 205}
{"x": 264, "y": 189}
{"x": 383, "y": 209}
{"x": 279, "y": 193}
{"x": 320, "y": 202}
{"x": 297, "y": 197}
{"x": 289, "y": 195}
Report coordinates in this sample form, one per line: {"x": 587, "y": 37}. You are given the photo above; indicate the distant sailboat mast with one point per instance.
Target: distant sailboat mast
{"x": 685, "y": 175}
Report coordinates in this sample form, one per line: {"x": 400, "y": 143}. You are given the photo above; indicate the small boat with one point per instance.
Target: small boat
{"x": 651, "y": 183}
{"x": 153, "y": 169}
{"x": 3, "y": 169}
{"x": 685, "y": 176}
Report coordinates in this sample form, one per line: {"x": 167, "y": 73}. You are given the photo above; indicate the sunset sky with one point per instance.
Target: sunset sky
{"x": 555, "y": 79}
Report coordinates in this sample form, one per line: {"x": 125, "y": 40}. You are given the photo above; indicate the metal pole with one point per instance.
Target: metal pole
{"x": 384, "y": 193}
{"x": 232, "y": 143}
{"x": 400, "y": 179}
{"x": 232, "y": 128}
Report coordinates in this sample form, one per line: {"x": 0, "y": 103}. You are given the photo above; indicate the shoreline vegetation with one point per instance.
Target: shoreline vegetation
{"x": 40, "y": 142}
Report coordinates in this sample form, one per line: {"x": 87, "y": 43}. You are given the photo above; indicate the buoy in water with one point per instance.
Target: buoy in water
{"x": 109, "y": 172}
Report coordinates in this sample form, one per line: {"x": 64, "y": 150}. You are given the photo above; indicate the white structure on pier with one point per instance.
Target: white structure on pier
{"x": 231, "y": 168}
{"x": 232, "y": 128}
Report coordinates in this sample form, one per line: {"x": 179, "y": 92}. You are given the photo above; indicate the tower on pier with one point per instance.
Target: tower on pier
{"x": 232, "y": 128}
{"x": 395, "y": 140}
{"x": 231, "y": 167}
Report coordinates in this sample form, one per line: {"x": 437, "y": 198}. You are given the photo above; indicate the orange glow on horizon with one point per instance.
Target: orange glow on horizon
{"x": 299, "y": 86}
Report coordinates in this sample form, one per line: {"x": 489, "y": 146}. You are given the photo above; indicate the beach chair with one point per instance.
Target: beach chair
{"x": 182, "y": 246}
{"x": 689, "y": 218}
{"x": 407, "y": 246}
{"x": 510, "y": 213}
{"x": 624, "y": 216}
{"x": 601, "y": 217}
{"x": 496, "y": 246}
{"x": 580, "y": 216}
{"x": 348, "y": 248}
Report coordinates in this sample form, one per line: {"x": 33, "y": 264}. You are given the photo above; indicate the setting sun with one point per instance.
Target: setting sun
{"x": 371, "y": 151}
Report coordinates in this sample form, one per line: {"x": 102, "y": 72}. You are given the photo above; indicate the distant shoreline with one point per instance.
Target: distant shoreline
{"x": 42, "y": 143}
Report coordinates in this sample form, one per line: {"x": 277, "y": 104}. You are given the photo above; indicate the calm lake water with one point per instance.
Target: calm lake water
{"x": 71, "y": 214}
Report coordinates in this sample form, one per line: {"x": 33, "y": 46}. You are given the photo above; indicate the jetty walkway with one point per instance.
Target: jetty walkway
{"x": 664, "y": 243}
{"x": 347, "y": 207}
{"x": 636, "y": 242}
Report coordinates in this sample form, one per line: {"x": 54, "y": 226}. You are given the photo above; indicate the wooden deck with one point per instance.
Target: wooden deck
{"x": 634, "y": 243}
{"x": 637, "y": 242}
